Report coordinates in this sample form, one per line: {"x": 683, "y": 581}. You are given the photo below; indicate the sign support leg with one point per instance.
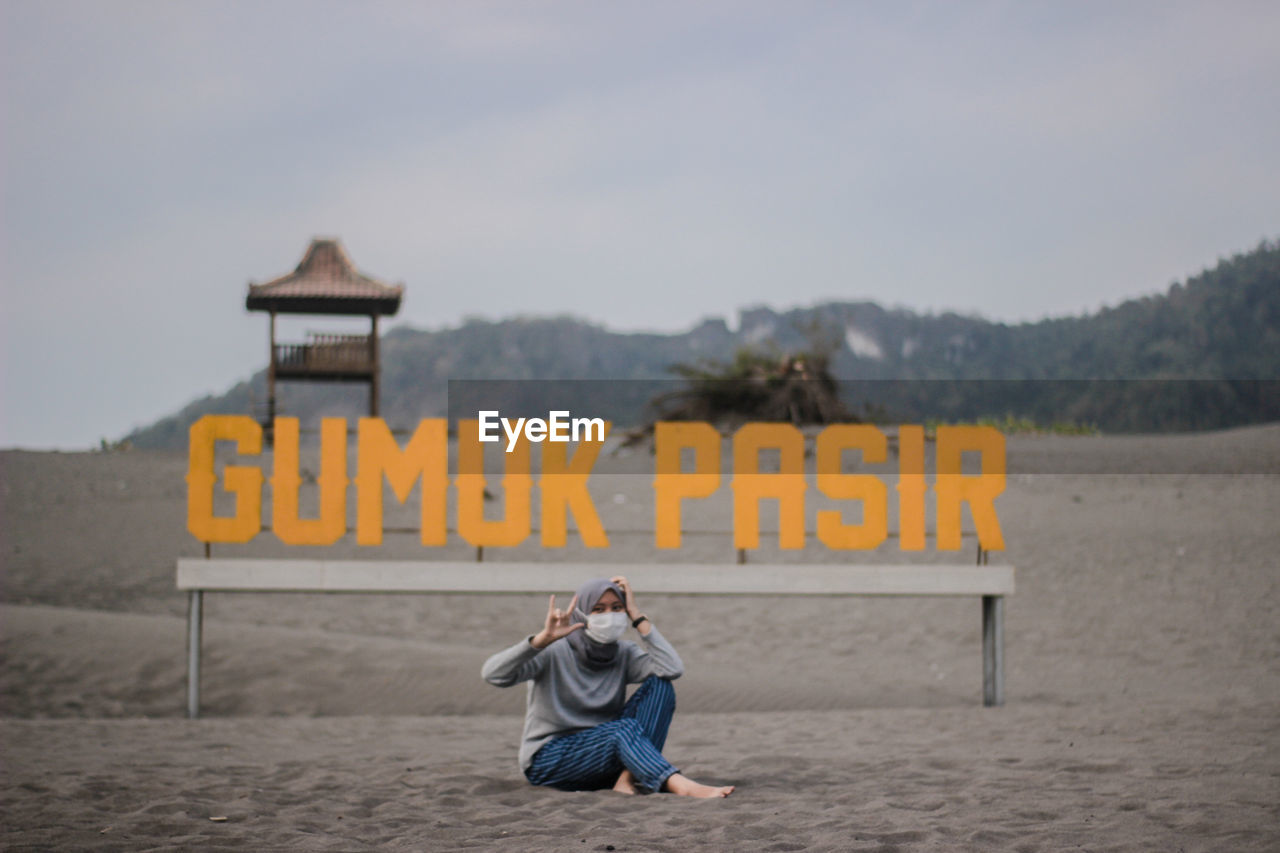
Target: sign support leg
{"x": 195, "y": 623}
{"x": 992, "y": 650}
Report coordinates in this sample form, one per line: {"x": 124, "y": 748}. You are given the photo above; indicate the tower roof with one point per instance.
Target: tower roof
{"x": 325, "y": 282}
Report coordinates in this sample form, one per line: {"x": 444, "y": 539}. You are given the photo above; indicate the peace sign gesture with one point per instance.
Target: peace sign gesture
{"x": 557, "y": 624}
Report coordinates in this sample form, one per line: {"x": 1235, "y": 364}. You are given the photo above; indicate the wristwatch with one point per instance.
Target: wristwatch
{"x": 638, "y": 620}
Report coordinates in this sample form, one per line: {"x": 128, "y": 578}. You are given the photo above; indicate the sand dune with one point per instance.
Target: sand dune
{"x": 1143, "y": 693}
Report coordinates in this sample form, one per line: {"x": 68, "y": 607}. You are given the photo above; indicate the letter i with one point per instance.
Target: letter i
{"x": 911, "y": 488}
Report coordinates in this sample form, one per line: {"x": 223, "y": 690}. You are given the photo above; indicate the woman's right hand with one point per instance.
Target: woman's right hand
{"x": 557, "y": 624}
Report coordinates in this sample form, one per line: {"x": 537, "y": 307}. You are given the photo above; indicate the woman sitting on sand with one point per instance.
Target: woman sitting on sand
{"x": 579, "y": 734}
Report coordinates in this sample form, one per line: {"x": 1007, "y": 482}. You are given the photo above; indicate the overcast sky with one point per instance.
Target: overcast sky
{"x": 640, "y": 164}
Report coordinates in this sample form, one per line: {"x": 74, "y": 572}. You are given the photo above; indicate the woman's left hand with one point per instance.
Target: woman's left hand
{"x": 632, "y": 610}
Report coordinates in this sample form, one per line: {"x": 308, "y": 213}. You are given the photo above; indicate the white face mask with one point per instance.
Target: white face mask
{"x": 606, "y": 627}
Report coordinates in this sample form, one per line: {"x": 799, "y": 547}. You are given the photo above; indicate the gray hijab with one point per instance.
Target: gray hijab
{"x": 591, "y": 654}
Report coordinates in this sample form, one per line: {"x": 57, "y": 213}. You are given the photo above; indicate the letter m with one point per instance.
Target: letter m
{"x": 425, "y": 457}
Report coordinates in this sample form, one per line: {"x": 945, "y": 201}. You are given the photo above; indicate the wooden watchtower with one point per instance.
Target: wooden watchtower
{"x": 325, "y": 282}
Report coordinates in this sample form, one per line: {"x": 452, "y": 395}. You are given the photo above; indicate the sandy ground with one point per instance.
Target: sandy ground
{"x": 1143, "y": 697}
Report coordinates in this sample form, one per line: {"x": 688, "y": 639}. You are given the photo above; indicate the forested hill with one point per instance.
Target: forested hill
{"x": 1221, "y": 324}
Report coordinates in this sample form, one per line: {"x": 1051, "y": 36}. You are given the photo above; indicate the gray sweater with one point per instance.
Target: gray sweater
{"x": 564, "y": 696}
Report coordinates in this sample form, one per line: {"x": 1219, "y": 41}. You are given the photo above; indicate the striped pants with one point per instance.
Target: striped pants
{"x": 594, "y": 758}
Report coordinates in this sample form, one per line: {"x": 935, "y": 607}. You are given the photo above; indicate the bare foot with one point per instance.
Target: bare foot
{"x": 625, "y": 783}
{"x": 684, "y": 786}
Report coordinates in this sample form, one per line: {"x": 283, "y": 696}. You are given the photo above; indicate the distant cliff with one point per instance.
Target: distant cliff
{"x": 1223, "y": 324}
